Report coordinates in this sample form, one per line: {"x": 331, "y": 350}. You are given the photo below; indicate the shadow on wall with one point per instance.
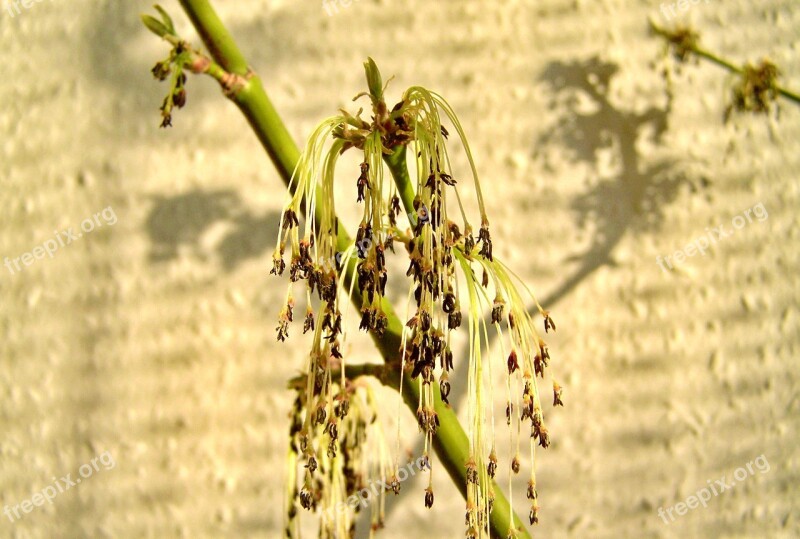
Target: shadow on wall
{"x": 634, "y": 197}
{"x": 181, "y": 222}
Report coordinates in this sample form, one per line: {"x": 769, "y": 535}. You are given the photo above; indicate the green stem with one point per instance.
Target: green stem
{"x": 250, "y": 96}
{"x": 718, "y": 60}
{"x": 396, "y": 162}
{"x": 450, "y": 442}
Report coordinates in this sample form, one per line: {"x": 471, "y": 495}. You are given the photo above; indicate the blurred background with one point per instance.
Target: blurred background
{"x": 150, "y": 338}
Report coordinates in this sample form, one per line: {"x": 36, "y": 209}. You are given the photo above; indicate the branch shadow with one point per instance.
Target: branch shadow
{"x": 632, "y": 200}
{"x": 179, "y": 223}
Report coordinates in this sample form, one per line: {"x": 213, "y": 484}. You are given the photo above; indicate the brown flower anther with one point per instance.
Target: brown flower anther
{"x": 429, "y": 497}
{"x": 557, "y": 389}
{"x": 308, "y": 323}
{"x": 532, "y": 494}
{"x": 486, "y": 241}
{"x": 363, "y": 182}
{"x": 513, "y": 363}
{"x": 472, "y": 472}
{"x": 312, "y": 464}
{"x": 444, "y": 389}
{"x": 491, "y": 468}
{"x": 497, "y": 310}
{"x": 548, "y": 323}
{"x": 533, "y": 516}
{"x": 307, "y": 499}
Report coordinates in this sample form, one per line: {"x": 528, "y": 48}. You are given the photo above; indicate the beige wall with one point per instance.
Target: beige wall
{"x": 152, "y": 338}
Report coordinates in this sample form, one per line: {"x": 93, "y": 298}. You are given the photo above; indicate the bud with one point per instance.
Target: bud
{"x": 374, "y": 79}
{"x": 428, "y": 497}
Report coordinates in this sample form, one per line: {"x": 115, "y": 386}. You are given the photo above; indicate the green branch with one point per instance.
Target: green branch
{"x": 450, "y": 442}
{"x": 686, "y": 41}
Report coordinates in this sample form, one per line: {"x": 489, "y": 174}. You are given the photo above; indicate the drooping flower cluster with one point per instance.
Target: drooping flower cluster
{"x": 445, "y": 261}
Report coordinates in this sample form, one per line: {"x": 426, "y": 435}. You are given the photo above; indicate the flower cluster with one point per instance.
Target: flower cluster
{"x": 450, "y": 268}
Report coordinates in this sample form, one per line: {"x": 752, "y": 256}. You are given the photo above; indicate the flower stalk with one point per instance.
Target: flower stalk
{"x": 758, "y": 86}
{"x": 334, "y": 408}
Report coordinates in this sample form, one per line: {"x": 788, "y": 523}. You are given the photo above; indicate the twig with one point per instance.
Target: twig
{"x": 685, "y": 41}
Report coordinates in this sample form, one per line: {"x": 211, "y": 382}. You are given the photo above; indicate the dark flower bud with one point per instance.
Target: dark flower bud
{"x": 428, "y": 497}
{"x": 557, "y": 389}
{"x": 497, "y": 311}
{"x": 363, "y": 182}
{"x": 448, "y": 360}
{"x": 491, "y": 468}
{"x": 513, "y": 364}
{"x": 544, "y": 437}
{"x": 161, "y": 70}
{"x": 444, "y": 389}
{"x": 333, "y": 430}
{"x": 306, "y": 499}
{"x": 532, "y": 495}
{"x": 424, "y": 321}
{"x": 469, "y": 244}
{"x": 179, "y": 98}
{"x": 289, "y": 219}
{"x": 332, "y": 449}
{"x": 321, "y": 415}
{"x": 278, "y": 265}
{"x": 341, "y": 406}
{"x": 308, "y": 324}
{"x": 449, "y": 302}
{"x": 312, "y": 464}
{"x": 283, "y": 330}
{"x": 472, "y": 472}
{"x": 454, "y": 320}
{"x": 533, "y": 516}
{"x": 486, "y": 242}
{"x": 548, "y": 323}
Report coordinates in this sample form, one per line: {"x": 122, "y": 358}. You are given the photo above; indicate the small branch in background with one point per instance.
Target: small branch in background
{"x": 183, "y": 57}
{"x": 758, "y": 86}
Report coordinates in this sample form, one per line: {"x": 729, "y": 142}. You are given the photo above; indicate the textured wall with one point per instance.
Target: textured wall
{"x": 149, "y": 342}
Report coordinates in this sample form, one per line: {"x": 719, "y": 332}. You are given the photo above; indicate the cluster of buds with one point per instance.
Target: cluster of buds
{"x": 444, "y": 257}
{"x": 176, "y": 98}
{"x": 180, "y": 57}
{"x": 756, "y": 89}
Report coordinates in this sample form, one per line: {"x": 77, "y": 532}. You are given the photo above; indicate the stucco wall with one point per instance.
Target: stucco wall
{"x": 150, "y": 340}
